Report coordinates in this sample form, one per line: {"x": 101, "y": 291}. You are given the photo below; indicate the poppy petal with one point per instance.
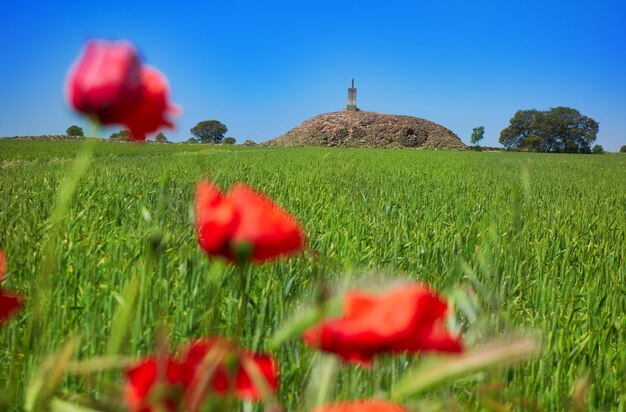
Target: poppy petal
{"x": 408, "y": 319}
{"x": 105, "y": 80}
{"x": 270, "y": 230}
{"x": 369, "y": 405}
{"x": 9, "y": 305}
{"x": 245, "y": 385}
{"x": 215, "y": 219}
{"x": 148, "y": 113}
{"x": 143, "y": 378}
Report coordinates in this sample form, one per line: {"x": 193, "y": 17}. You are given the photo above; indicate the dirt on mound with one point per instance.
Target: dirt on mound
{"x": 368, "y": 129}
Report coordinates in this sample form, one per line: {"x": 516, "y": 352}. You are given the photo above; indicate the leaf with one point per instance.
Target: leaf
{"x": 99, "y": 364}
{"x": 492, "y": 355}
{"x": 58, "y": 405}
{"x": 48, "y": 377}
{"x": 300, "y": 323}
{"x": 123, "y": 316}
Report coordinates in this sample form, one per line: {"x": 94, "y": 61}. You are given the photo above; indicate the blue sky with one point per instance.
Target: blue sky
{"x": 263, "y": 67}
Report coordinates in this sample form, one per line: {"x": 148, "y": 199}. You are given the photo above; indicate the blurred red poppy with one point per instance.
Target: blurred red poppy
{"x": 231, "y": 374}
{"x": 143, "y": 380}
{"x": 408, "y": 319}
{"x": 105, "y": 81}
{"x": 206, "y": 366}
{"x": 368, "y": 405}
{"x": 9, "y": 302}
{"x": 148, "y": 113}
{"x": 110, "y": 83}
{"x": 244, "y": 225}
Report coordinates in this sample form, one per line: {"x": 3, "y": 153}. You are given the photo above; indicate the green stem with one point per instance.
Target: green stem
{"x": 242, "y": 302}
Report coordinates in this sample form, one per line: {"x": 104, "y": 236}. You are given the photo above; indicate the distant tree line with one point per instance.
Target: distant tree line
{"x": 556, "y": 130}
{"x": 208, "y": 131}
{"x": 121, "y": 135}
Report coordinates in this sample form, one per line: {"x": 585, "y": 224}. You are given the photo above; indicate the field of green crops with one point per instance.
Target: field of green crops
{"x": 536, "y": 242}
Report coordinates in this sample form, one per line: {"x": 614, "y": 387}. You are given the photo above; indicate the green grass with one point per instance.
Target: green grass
{"x": 540, "y": 238}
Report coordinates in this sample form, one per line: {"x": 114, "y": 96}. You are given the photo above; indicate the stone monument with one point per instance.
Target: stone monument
{"x": 351, "y": 107}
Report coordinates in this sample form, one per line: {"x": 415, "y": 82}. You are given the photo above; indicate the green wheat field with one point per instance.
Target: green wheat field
{"x": 523, "y": 243}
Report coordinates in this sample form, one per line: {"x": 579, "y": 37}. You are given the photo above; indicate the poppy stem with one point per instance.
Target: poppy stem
{"x": 242, "y": 301}
{"x": 322, "y": 382}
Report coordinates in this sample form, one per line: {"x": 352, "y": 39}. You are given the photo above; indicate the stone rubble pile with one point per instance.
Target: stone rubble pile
{"x": 369, "y": 129}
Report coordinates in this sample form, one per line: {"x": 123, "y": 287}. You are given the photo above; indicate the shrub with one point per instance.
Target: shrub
{"x": 121, "y": 135}
{"x": 160, "y": 138}
{"x": 597, "y": 149}
{"x": 478, "y": 133}
{"x": 74, "y": 130}
{"x": 622, "y": 149}
{"x": 229, "y": 140}
{"x": 209, "y": 131}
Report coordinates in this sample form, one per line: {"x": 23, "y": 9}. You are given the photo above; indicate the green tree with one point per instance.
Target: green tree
{"x": 229, "y": 140}
{"x": 192, "y": 140}
{"x": 160, "y": 138}
{"x": 121, "y": 135}
{"x": 597, "y": 149}
{"x": 74, "y": 130}
{"x": 520, "y": 129}
{"x": 622, "y": 149}
{"x": 478, "y": 133}
{"x": 209, "y": 131}
{"x": 559, "y": 129}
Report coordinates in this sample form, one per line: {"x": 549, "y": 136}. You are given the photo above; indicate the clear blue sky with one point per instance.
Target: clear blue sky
{"x": 263, "y": 67}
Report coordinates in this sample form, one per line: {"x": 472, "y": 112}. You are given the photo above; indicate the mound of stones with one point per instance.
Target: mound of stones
{"x": 369, "y": 129}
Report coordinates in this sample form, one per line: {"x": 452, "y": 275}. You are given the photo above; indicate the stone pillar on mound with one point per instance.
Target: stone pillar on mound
{"x": 351, "y": 107}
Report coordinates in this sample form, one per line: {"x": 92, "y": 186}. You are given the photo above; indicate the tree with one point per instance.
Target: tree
{"x": 597, "y": 149}
{"x": 209, "y": 131}
{"x": 160, "y": 138}
{"x": 622, "y": 149}
{"x": 121, "y": 135}
{"x": 477, "y": 135}
{"x": 558, "y": 130}
{"x": 521, "y": 133}
{"x": 192, "y": 140}
{"x": 229, "y": 140}
{"x": 74, "y": 130}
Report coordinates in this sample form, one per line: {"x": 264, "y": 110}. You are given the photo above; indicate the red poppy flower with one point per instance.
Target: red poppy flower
{"x": 232, "y": 374}
{"x": 145, "y": 377}
{"x": 105, "y": 81}
{"x": 368, "y": 405}
{"x": 244, "y": 224}
{"x": 170, "y": 383}
{"x": 9, "y": 303}
{"x": 148, "y": 113}
{"x": 109, "y": 82}
{"x": 405, "y": 320}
